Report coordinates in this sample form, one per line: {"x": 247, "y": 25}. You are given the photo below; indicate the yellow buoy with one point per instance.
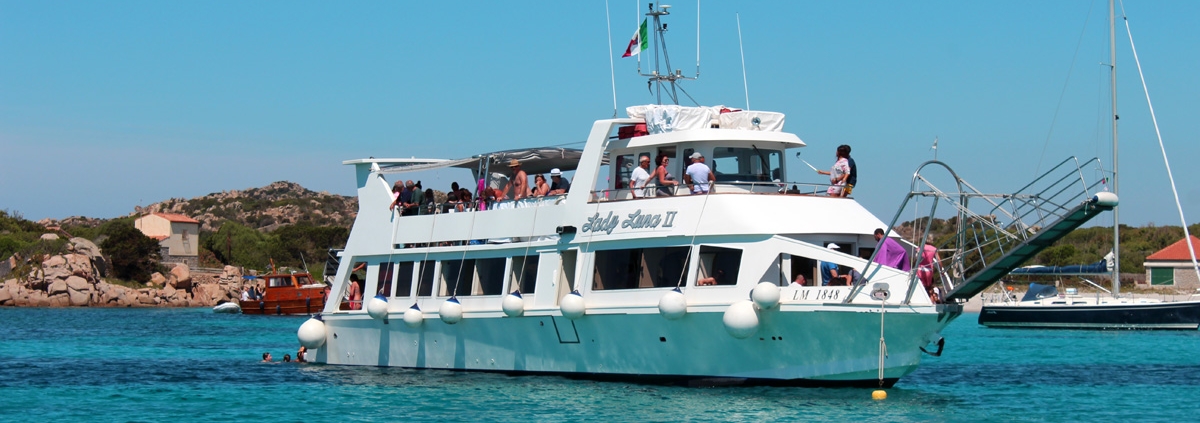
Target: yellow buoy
{"x": 879, "y": 395}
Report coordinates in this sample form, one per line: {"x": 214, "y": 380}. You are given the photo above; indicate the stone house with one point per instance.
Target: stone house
{"x": 178, "y": 236}
{"x": 1172, "y": 266}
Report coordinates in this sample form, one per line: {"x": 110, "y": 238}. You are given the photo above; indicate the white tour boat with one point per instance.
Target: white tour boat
{"x": 607, "y": 282}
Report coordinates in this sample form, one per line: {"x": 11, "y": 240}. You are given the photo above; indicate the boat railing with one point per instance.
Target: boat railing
{"x": 993, "y": 232}
{"x": 735, "y": 187}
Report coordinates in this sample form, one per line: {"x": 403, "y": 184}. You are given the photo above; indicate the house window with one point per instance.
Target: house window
{"x": 1162, "y": 276}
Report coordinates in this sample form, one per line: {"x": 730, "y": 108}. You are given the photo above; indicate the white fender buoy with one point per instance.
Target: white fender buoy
{"x": 377, "y": 307}
{"x": 766, "y": 295}
{"x": 572, "y": 305}
{"x": 312, "y": 333}
{"x": 451, "y": 311}
{"x": 413, "y": 316}
{"x": 1105, "y": 198}
{"x": 673, "y": 304}
{"x": 513, "y": 304}
{"x": 741, "y": 320}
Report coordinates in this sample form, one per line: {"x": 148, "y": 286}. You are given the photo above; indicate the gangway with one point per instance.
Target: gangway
{"x": 995, "y": 233}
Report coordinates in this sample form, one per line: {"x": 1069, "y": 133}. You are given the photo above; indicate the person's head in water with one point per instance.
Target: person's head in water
{"x": 287, "y": 357}
{"x": 267, "y": 357}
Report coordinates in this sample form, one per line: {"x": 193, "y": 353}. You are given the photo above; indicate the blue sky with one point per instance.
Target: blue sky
{"x": 108, "y": 105}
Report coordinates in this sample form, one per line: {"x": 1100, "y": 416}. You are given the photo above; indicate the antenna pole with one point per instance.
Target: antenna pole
{"x": 745, "y": 87}
{"x": 612, "y": 71}
{"x": 697, "y": 38}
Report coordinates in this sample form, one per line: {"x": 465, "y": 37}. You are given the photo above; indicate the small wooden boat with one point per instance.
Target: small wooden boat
{"x": 291, "y": 293}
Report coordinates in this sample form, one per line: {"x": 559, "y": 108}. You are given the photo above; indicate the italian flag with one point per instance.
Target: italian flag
{"x": 639, "y": 41}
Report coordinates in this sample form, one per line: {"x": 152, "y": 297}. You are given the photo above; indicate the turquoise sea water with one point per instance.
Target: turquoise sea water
{"x": 185, "y": 365}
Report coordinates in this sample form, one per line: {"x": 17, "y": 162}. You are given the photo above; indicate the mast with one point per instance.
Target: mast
{"x": 666, "y": 80}
{"x": 1112, "y": 63}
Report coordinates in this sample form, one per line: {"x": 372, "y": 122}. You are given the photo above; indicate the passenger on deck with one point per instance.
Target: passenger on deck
{"x": 559, "y": 185}
{"x": 464, "y": 195}
{"x": 397, "y": 194}
{"x": 430, "y": 203}
{"x": 929, "y": 256}
{"x": 838, "y": 173}
{"x": 245, "y": 294}
{"x": 354, "y": 293}
{"x": 890, "y": 253}
{"x": 416, "y": 200}
{"x": 540, "y": 187}
{"x": 852, "y": 178}
{"x": 829, "y": 270}
{"x": 640, "y": 177}
{"x": 698, "y": 176}
{"x": 519, "y": 185}
{"x": 665, "y": 180}
{"x": 799, "y": 281}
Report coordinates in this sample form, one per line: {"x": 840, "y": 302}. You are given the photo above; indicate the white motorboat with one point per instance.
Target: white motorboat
{"x": 227, "y": 307}
{"x": 610, "y": 282}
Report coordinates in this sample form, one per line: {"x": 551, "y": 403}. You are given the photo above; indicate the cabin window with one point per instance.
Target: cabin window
{"x": 625, "y": 165}
{"x": 743, "y": 164}
{"x": 639, "y": 268}
{"x": 303, "y": 280}
{"x": 384, "y": 280}
{"x": 524, "y": 273}
{"x": 278, "y": 281}
{"x": 425, "y": 279}
{"x": 566, "y": 273}
{"x": 718, "y": 266}
{"x": 456, "y": 278}
{"x": 489, "y": 276}
{"x": 404, "y": 279}
{"x": 797, "y": 269}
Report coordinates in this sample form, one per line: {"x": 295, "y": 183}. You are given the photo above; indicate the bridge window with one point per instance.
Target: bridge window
{"x": 741, "y": 164}
{"x": 639, "y": 268}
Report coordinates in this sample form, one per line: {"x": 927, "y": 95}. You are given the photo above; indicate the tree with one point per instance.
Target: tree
{"x": 134, "y": 256}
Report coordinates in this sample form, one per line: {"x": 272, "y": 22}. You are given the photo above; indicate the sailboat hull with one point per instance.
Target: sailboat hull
{"x": 1183, "y": 315}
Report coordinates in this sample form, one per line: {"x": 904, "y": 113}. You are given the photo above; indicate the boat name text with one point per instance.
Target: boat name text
{"x": 635, "y": 220}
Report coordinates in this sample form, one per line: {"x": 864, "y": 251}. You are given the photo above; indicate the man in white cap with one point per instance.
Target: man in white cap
{"x": 829, "y": 270}
{"x": 558, "y": 184}
{"x": 640, "y": 177}
{"x": 698, "y": 176}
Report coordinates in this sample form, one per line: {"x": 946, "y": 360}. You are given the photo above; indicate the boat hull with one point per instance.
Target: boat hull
{"x": 828, "y": 345}
{"x": 1168, "y": 315}
{"x": 288, "y": 301}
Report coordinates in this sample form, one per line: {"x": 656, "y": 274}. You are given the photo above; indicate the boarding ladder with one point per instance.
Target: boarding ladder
{"x": 994, "y": 233}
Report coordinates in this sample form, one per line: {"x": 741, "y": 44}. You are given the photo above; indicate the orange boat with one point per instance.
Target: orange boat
{"x": 293, "y": 293}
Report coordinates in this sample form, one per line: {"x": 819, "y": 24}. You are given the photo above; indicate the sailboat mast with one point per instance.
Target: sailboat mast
{"x": 1112, "y": 63}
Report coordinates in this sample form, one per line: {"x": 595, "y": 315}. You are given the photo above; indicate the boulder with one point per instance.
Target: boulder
{"x": 5, "y": 296}
{"x": 54, "y": 261}
{"x": 60, "y": 300}
{"x": 57, "y": 286}
{"x": 78, "y": 298}
{"x": 231, "y": 272}
{"x": 157, "y": 279}
{"x": 49, "y": 237}
{"x": 183, "y": 276}
{"x": 79, "y": 284}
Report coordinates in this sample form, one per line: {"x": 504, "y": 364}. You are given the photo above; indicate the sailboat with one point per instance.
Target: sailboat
{"x": 1043, "y": 306}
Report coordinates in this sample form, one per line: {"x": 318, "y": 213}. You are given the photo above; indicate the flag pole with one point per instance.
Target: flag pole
{"x": 612, "y": 70}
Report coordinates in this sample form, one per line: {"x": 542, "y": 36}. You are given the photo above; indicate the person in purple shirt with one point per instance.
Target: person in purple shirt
{"x": 890, "y": 253}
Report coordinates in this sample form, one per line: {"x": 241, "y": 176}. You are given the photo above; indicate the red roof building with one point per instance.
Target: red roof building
{"x": 178, "y": 236}
{"x": 1172, "y": 266}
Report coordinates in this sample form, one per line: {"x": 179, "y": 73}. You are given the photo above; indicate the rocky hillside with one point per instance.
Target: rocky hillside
{"x": 266, "y": 209}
